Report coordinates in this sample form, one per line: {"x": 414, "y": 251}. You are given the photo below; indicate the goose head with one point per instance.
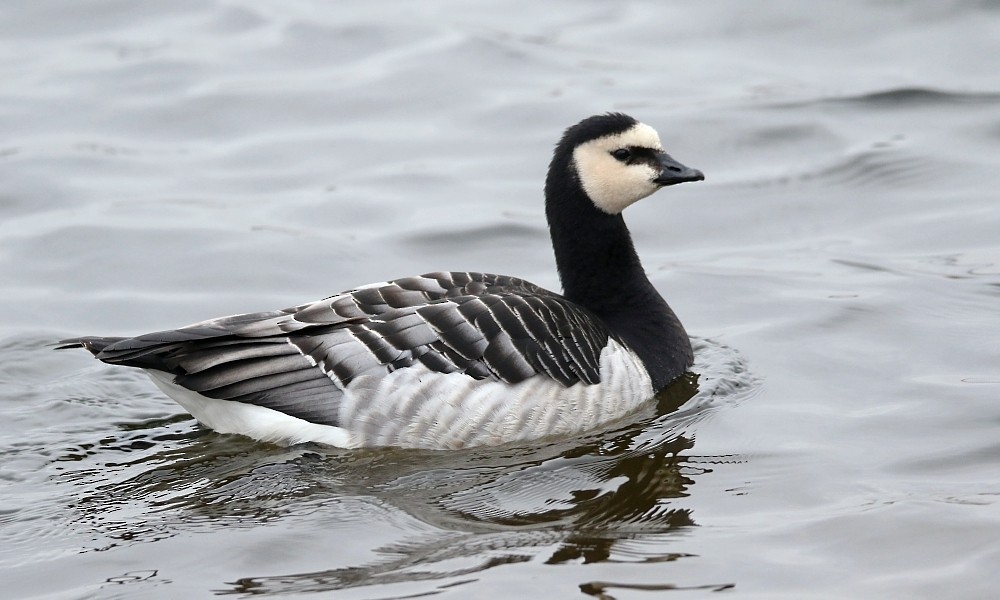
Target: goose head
{"x": 617, "y": 160}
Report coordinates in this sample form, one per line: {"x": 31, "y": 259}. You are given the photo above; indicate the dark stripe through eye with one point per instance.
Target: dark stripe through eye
{"x": 634, "y": 154}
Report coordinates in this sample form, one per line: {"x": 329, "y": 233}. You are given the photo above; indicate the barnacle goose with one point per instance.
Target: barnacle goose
{"x": 451, "y": 360}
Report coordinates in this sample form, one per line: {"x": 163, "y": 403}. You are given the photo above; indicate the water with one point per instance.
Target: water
{"x": 840, "y": 270}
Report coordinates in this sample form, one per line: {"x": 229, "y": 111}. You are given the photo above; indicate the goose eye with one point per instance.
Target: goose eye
{"x": 622, "y": 154}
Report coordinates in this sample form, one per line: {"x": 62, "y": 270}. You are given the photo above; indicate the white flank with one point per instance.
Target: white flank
{"x": 418, "y": 408}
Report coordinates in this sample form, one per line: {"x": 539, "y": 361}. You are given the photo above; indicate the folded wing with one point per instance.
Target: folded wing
{"x": 300, "y": 360}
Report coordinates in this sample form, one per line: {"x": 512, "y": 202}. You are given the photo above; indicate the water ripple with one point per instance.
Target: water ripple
{"x": 902, "y": 97}
{"x": 135, "y": 479}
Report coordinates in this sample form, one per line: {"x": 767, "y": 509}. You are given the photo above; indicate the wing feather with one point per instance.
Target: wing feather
{"x": 301, "y": 359}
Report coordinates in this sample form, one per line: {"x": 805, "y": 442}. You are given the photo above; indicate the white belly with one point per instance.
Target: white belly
{"x": 257, "y": 422}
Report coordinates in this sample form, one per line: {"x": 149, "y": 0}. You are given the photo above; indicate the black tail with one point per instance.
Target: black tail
{"x": 93, "y": 344}
{"x": 148, "y": 351}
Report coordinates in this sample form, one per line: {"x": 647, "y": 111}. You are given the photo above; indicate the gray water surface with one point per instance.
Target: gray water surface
{"x": 839, "y": 271}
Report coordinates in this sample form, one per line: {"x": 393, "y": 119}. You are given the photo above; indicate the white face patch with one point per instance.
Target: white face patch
{"x": 611, "y": 184}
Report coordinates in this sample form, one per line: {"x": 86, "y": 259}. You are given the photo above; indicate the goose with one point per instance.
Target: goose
{"x": 451, "y": 360}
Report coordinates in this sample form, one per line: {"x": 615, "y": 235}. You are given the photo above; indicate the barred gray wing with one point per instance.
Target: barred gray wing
{"x": 299, "y": 360}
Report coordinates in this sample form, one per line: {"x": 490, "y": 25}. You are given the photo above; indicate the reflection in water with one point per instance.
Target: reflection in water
{"x": 609, "y": 496}
{"x": 580, "y": 500}
{"x": 599, "y": 589}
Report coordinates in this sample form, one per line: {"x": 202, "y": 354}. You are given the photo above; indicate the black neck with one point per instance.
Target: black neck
{"x": 600, "y": 270}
